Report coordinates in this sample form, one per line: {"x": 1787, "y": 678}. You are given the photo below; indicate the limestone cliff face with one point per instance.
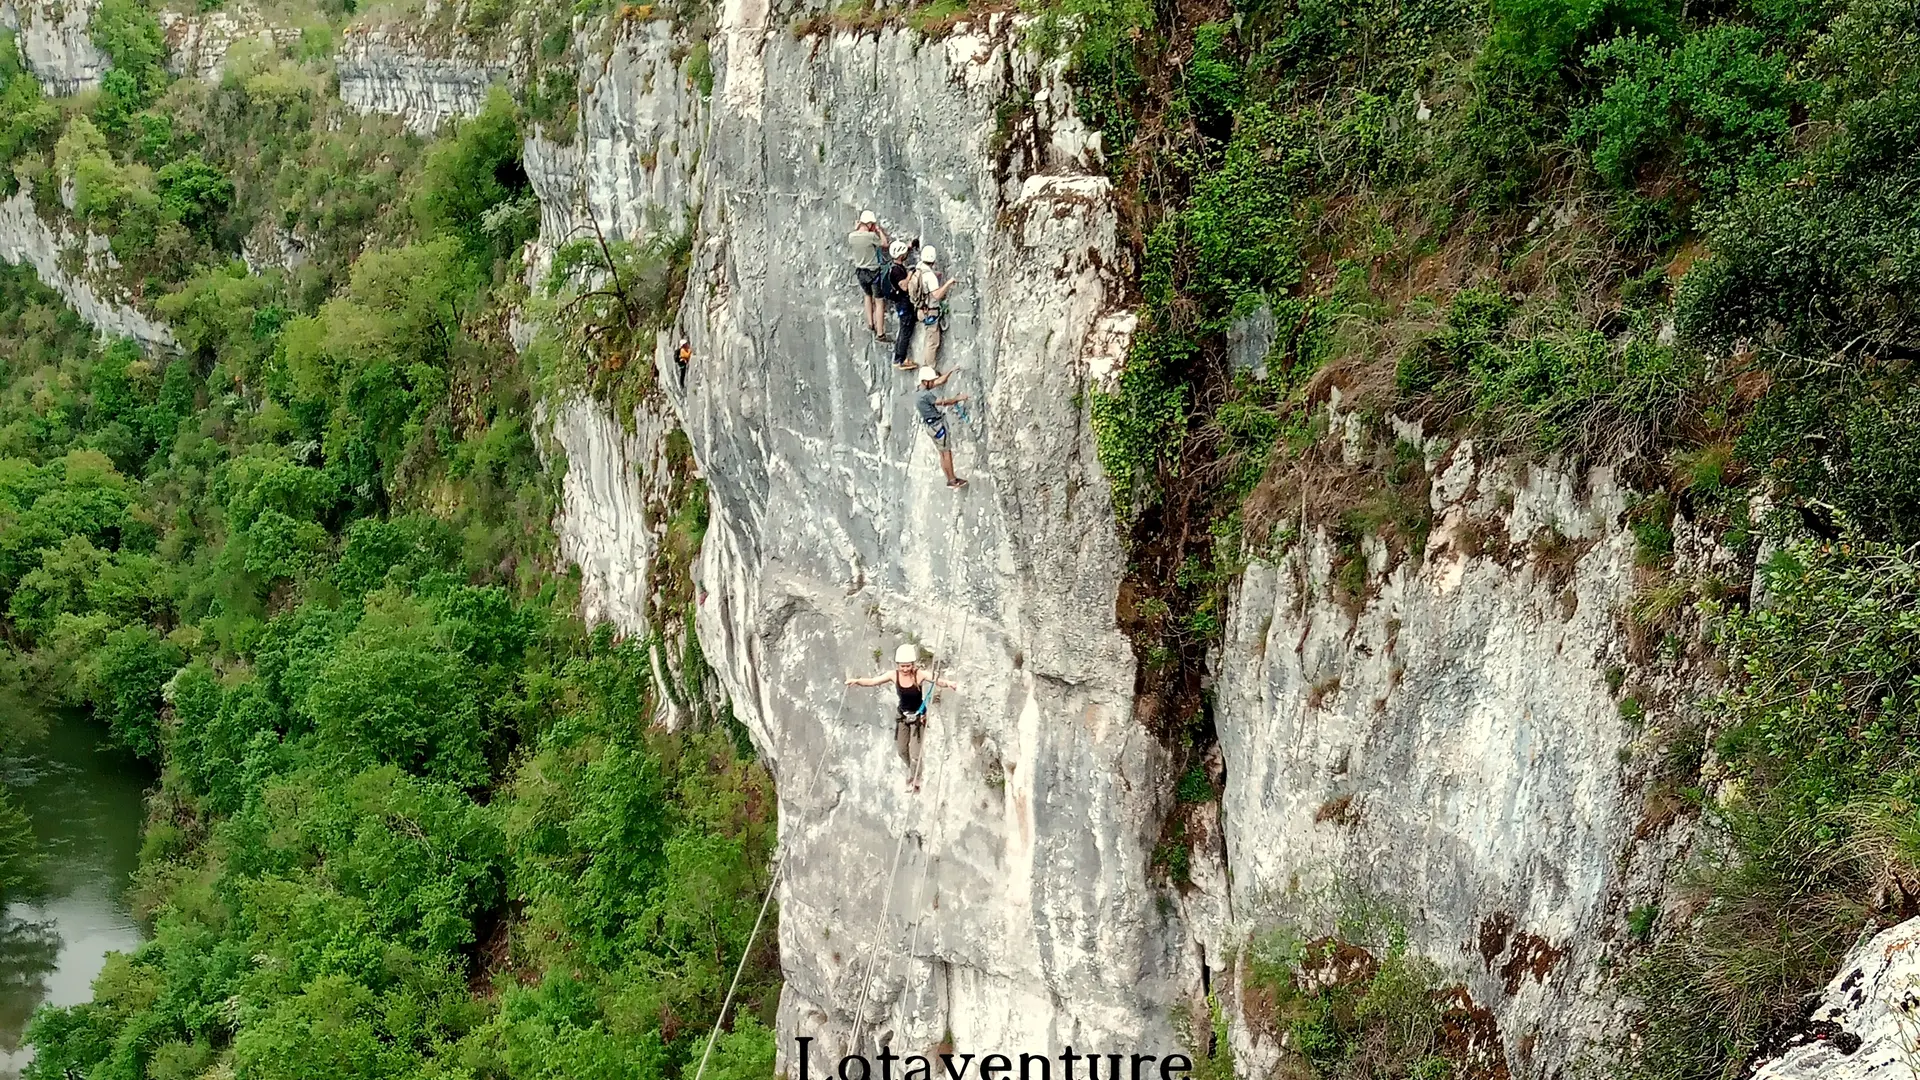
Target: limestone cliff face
{"x": 1450, "y": 744}
{"x": 629, "y": 167}
{"x": 27, "y": 238}
{"x": 1007, "y": 904}
{"x": 55, "y": 43}
{"x": 611, "y": 507}
{"x": 388, "y": 69}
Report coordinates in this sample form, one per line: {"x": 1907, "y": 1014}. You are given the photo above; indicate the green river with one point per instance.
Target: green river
{"x": 85, "y": 801}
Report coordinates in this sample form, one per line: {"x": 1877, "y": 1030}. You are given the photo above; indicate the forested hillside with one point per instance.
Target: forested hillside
{"x": 413, "y": 816}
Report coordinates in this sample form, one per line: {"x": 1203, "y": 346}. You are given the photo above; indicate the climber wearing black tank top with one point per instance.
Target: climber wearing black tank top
{"x": 909, "y": 726}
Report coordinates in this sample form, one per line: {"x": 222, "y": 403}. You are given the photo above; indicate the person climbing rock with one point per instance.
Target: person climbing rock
{"x": 909, "y": 726}
{"x": 866, "y": 247}
{"x": 893, "y": 288}
{"x": 929, "y": 404}
{"x": 683, "y": 356}
{"x": 928, "y": 294}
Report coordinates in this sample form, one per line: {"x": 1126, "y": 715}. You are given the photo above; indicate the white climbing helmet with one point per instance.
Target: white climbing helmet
{"x": 867, "y": 218}
{"x": 927, "y": 374}
{"x": 929, "y": 254}
{"x": 907, "y": 654}
{"x": 899, "y": 248}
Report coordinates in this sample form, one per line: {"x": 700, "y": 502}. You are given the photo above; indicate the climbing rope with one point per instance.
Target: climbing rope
{"x": 873, "y": 954}
{"x": 778, "y": 868}
{"x": 773, "y": 883}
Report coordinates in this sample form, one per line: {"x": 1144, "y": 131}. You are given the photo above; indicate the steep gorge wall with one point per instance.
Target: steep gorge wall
{"x": 55, "y": 43}
{"x": 1452, "y": 746}
{"x": 63, "y": 259}
{"x": 1007, "y": 904}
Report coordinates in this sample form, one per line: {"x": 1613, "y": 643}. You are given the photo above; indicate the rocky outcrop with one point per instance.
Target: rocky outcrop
{"x": 611, "y": 499}
{"x": 1867, "y": 1024}
{"x": 1449, "y": 744}
{"x": 629, "y": 165}
{"x": 392, "y": 70}
{"x": 1007, "y": 905}
{"x": 56, "y": 44}
{"x": 26, "y": 238}
{"x": 197, "y": 45}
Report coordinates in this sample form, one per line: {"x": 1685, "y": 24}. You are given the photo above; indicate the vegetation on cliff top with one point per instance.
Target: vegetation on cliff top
{"x": 1672, "y": 238}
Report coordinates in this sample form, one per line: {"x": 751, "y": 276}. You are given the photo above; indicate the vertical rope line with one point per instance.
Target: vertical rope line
{"x": 740, "y": 969}
{"x": 773, "y": 885}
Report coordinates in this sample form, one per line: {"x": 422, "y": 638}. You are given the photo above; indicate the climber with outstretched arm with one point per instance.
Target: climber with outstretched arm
{"x": 866, "y": 249}
{"x": 929, "y": 404}
{"x": 911, "y": 684}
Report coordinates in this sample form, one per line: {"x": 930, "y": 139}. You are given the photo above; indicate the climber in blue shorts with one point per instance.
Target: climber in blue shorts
{"x": 929, "y": 404}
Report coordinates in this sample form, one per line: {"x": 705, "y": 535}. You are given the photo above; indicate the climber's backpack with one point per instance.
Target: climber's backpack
{"x": 889, "y": 287}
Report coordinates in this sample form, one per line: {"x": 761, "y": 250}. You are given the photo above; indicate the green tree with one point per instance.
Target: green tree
{"x": 132, "y": 667}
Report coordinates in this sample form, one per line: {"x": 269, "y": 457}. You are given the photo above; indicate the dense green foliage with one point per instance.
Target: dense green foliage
{"x": 1677, "y": 239}
{"x": 412, "y": 817}
{"x": 1357, "y": 1005}
{"x": 1821, "y": 729}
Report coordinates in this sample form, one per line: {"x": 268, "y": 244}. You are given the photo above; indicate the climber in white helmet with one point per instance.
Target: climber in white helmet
{"x": 909, "y": 726}
{"x": 893, "y": 288}
{"x": 866, "y": 250}
{"x": 929, "y": 295}
{"x": 928, "y": 404}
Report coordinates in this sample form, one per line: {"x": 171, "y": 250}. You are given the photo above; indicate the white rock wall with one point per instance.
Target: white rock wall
{"x": 629, "y": 166}
{"x": 1453, "y": 750}
{"x": 1007, "y": 904}
{"x": 26, "y": 238}
{"x": 1867, "y": 1023}
{"x": 391, "y": 70}
{"x": 55, "y": 43}
{"x": 608, "y": 524}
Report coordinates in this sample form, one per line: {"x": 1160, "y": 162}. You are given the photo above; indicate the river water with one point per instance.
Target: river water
{"x": 85, "y": 801}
